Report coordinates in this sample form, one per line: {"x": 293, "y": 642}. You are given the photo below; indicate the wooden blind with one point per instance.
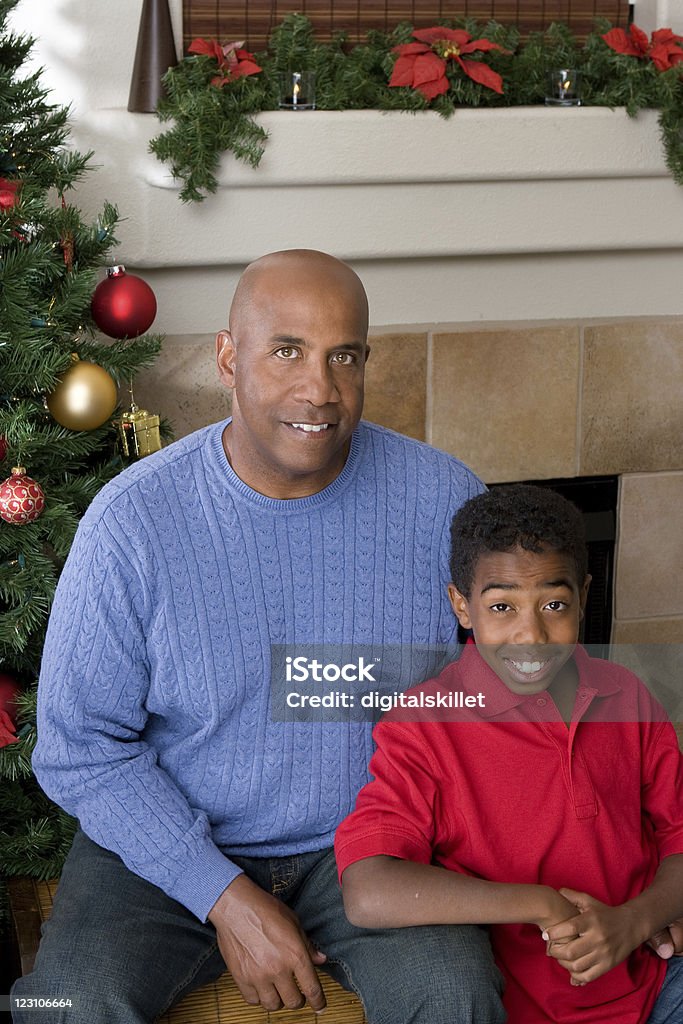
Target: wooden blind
{"x": 254, "y": 20}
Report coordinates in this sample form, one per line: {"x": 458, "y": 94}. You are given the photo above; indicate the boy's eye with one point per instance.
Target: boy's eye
{"x": 500, "y": 606}
{"x": 556, "y": 606}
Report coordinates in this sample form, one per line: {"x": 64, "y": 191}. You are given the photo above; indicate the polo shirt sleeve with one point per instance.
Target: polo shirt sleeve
{"x": 662, "y": 787}
{"x": 396, "y": 813}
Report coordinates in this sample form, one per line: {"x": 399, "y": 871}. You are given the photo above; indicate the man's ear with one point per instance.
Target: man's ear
{"x": 225, "y": 358}
{"x": 460, "y": 606}
{"x": 583, "y": 595}
{"x": 367, "y": 353}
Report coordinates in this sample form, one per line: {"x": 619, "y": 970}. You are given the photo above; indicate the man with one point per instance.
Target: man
{"x": 207, "y": 825}
{"x": 291, "y": 524}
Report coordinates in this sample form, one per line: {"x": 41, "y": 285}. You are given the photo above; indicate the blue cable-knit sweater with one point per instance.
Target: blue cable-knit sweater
{"x": 154, "y": 726}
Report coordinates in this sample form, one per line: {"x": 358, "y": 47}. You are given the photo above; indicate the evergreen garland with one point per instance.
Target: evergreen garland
{"x": 46, "y": 287}
{"x": 208, "y": 121}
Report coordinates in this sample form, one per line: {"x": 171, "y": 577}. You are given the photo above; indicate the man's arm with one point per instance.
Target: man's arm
{"x": 92, "y": 757}
{"x": 387, "y": 892}
{"x": 607, "y": 935}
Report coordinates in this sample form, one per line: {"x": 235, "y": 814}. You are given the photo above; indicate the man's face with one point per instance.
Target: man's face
{"x": 524, "y": 610}
{"x": 295, "y": 361}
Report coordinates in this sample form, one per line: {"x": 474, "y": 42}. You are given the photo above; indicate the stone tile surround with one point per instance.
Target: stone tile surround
{"x": 518, "y": 401}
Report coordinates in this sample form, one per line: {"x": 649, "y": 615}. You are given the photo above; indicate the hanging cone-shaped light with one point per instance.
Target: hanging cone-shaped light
{"x": 154, "y": 55}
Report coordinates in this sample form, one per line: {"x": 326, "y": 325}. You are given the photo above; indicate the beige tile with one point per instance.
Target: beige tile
{"x": 504, "y": 401}
{"x": 648, "y": 631}
{"x": 649, "y": 553}
{"x": 396, "y": 383}
{"x": 632, "y": 414}
{"x": 183, "y": 384}
{"x": 653, "y": 649}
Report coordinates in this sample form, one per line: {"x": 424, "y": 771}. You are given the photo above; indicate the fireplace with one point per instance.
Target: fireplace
{"x": 596, "y": 498}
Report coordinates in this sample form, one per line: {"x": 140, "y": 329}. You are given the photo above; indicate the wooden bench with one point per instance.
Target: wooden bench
{"x": 218, "y": 1003}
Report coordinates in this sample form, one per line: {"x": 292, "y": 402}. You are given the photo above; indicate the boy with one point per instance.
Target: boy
{"x": 557, "y": 807}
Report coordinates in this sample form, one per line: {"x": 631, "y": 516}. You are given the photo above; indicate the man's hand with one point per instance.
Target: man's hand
{"x": 594, "y": 941}
{"x": 265, "y": 949}
{"x": 669, "y": 941}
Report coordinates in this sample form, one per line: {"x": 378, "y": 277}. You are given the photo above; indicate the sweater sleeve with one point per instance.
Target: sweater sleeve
{"x": 91, "y": 756}
{"x": 396, "y": 814}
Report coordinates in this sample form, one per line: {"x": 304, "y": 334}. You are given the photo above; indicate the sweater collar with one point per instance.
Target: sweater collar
{"x": 285, "y": 505}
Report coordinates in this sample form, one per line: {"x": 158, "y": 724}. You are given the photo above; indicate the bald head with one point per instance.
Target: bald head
{"x": 294, "y": 358}
{"x": 310, "y": 275}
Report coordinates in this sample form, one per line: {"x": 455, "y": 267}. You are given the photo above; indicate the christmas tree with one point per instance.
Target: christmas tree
{"x": 57, "y": 397}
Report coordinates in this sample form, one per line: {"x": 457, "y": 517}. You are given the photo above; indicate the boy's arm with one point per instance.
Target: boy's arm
{"x": 608, "y": 934}
{"x": 387, "y": 892}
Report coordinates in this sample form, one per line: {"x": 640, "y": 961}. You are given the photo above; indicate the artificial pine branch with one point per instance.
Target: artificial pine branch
{"x": 208, "y": 121}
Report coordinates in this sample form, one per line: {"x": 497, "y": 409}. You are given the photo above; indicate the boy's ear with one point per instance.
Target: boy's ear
{"x": 583, "y": 594}
{"x": 460, "y": 606}
{"x": 225, "y": 358}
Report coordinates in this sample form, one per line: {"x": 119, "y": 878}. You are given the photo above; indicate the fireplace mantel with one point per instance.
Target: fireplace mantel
{"x": 398, "y": 185}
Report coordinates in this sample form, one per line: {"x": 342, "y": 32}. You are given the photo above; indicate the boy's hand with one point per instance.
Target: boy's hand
{"x": 555, "y": 908}
{"x": 594, "y": 941}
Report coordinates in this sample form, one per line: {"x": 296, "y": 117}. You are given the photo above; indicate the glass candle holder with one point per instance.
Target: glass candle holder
{"x": 563, "y": 88}
{"x": 297, "y": 90}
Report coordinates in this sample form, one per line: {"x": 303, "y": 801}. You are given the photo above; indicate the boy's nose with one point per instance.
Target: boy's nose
{"x": 531, "y": 630}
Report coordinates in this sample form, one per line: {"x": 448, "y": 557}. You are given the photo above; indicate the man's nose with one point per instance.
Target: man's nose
{"x": 316, "y": 383}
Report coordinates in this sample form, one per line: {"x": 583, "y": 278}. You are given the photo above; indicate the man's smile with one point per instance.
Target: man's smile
{"x": 311, "y": 428}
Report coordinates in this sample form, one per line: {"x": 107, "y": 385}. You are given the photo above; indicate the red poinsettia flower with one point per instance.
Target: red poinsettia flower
{"x": 233, "y": 61}
{"x": 7, "y": 734}
{"x": 8, "y": 193}
{"x": 663, "y": 49}
{"x": 422, "y": 65}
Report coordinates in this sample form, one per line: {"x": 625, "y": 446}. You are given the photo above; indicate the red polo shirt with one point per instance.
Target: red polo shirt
{"x": 509, "y": 793}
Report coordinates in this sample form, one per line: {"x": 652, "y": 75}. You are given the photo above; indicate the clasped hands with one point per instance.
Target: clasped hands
{"x": 598, "y": 937}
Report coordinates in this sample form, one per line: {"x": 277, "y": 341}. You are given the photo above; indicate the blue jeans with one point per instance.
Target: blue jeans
{"x": 669, "y": 1006}
{"x": 124, "y": 952}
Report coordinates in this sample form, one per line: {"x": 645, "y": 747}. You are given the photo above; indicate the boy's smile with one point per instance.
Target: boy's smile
{"x": 524, "y": 610}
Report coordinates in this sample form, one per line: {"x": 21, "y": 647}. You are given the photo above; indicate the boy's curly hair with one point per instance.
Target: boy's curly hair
{"x": 516, "y": 515}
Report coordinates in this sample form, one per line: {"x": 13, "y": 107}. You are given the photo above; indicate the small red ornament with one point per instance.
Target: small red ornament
{"x": 123, "y": 305}
{"x": 7, "y": 733}
{"x": 21, "y": 498}
{"x": 9, "y": 691}
{"x": 8, "y": 193}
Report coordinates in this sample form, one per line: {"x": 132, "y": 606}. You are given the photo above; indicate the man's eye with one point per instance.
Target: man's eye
{"x": 556, "y": 606}
{"x": 286, "y": 352}
{"x": 500, "y": 607}
{"x": 344, "y": 358}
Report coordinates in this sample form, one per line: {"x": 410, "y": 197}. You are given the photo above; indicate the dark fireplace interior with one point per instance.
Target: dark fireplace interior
{"x": 596, "y": 498}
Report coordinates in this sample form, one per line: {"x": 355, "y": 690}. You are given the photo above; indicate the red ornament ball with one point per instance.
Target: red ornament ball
{"x": 21, "y": 498}
{"x": 9, "y": 691}
{"x": 123, "y": 305}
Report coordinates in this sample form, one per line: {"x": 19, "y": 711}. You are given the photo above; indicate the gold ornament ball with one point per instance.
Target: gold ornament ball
{"x": 85, "y": 397}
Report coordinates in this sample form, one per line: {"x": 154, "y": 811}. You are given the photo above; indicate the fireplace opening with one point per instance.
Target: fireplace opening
{"x": 596, "y": 499}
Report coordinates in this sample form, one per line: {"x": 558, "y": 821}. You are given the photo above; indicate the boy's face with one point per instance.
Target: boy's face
{"x": 524, "y": 611}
